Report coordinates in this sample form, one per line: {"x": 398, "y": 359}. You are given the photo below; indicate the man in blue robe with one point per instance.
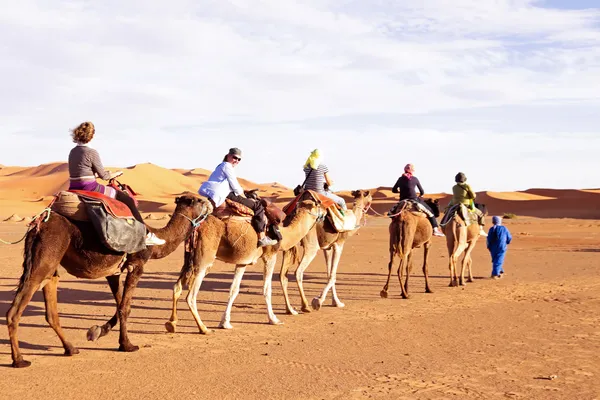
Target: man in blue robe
{"x": 498, "y": 239}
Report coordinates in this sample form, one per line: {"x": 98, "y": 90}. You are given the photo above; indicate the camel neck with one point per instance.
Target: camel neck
{"x": 175, "y": 232}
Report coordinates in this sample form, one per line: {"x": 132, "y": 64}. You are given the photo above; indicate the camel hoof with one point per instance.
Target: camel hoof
{"x": 206, "y": 331}
{"x": 383, "y": 294}
{"x": 71, "y": 351}
{"x": 171, "y": 326}
{"x": 306, "y": 310}
{"x": 339, "y": 304}
{"x": 21, "y": 364}
{"x": 129, "y": 348}
{"x": 406, "y": 297}
{"x": 316, "y": 304}
{"x": 428, "y": 291}
{"x": 225, "y": 325}
{"x": 470, "y": 280}
{"x": 94, "y": 333}
{"x": 291, "y": 311}
{"x": 275, "y": 322}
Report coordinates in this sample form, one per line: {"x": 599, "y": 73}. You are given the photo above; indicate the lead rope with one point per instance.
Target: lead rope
{"x": 35, "y": 223}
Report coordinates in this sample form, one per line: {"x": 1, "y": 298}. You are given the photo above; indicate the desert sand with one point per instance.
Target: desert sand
{"x": 535, "y": 334}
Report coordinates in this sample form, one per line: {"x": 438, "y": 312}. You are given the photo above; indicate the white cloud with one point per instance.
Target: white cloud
{"x": 441, "y": 84}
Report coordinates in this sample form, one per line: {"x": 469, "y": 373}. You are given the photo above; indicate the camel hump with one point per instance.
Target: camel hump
{"x": 461, "y": 212}
{"x": 413, "y": 207}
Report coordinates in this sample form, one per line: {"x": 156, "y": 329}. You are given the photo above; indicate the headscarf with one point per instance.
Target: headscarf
{"x": 409, "y": 169}
{"x": 314, "y": 160}
{"x": 496, "y": 220}
{"x": 460, "y": 178}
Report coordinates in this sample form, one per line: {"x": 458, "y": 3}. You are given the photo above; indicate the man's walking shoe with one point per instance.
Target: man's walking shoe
{"x": 266, "y": 241}
{"x": 152, "y": 239}
{"x": 438, "y": 232}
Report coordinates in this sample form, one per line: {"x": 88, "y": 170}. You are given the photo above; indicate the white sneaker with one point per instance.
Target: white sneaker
{"x": 152, "y": 239}
{"x": 482, "y": 232}
{"x": 438, "y": 232}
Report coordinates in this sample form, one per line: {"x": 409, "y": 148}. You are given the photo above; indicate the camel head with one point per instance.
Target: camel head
{"x": 193, "y": 206}
{"x": 482, "y": 207}
{"x": 362, "y": 198}
{"x": 434, "y": 205}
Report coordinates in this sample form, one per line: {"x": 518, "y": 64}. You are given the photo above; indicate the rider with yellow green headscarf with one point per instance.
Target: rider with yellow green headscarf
{"x": 318, "y": 179}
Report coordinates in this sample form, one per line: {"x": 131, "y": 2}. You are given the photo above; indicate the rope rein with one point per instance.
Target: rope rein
{"x": 35, "y": 223}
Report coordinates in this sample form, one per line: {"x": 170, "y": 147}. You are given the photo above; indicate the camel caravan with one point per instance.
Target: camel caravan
{"x": 95, "y": 231}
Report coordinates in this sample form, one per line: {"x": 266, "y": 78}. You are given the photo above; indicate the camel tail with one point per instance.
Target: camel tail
{"x": 31, "y": 242}
{"x": 188, "y": 272}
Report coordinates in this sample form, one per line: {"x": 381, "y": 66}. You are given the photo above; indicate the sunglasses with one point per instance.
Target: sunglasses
{"x": 236, "y": 158}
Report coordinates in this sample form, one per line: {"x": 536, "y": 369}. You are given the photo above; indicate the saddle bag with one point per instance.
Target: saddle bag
{"x": 126, "y": 235}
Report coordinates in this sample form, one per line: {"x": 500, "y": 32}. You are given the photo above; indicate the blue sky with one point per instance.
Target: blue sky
{"x": 503, "y": 90}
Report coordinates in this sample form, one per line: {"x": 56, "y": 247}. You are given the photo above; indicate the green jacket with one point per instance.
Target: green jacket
{"x": 462, "y": 193}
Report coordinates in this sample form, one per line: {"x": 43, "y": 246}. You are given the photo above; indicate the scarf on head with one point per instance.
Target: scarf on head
{"x": 408, "y": 170}
{"x": 314, "y": 160}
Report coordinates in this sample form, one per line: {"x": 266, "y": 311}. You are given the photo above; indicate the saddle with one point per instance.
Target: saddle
{"x": 462, "y": 212}
{"x": 412, "y": 206}
{"x": 112, "y": 220}
{"x": 233, "y": 210}
{"x": 341, "y": 221}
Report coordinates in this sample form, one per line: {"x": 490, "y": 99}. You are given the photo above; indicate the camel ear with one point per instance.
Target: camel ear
{"x": 355, "y": 193}
{"x": 177, "y": 200}
{"x": 366, "y": 193}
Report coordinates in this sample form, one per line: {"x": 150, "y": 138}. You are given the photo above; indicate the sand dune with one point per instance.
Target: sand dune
{"x": 23, "y": 190}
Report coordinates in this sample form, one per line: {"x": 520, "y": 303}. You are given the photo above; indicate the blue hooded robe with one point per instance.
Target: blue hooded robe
{"x": 498, "y": 238}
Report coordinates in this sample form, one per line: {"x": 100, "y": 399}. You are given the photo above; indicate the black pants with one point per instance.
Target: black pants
{"x": 431, "y": 219}
{"x": 125, "y": 198}
{"x": 258, "y": 220}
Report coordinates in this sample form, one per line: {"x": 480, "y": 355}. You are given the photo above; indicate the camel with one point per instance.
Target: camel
{"x": 409, "y": 230}
{"x": 235, "y": 242}
{"x": 461, "y": 238}
{"x": 76, "y": 246}
{"x": 323, "y": 236}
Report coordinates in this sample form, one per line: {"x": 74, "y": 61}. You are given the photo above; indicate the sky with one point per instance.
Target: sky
{"x": 506, "y": 91}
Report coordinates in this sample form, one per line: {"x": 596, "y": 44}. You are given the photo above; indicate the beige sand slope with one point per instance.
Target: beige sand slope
{"x": 25, "y": 191}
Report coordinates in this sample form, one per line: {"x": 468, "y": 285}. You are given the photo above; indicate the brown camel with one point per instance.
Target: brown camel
{"x": 234, "y": 242}
{"x": 323, "y": 236}
{"x": 76, "y": 246}
{"x": 409, "y": 230}
{"x": 460, "y": 239}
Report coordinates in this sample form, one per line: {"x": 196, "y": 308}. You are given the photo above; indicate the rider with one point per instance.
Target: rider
{"x": 318, "y": 179}
{"x": 406, "y": 186}
{"x": 463, "y": 194}
{"x": 85, "y": 165}
{"x": 223, "y": 184}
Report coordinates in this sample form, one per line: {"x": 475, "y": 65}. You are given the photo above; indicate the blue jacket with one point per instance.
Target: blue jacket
{"x": 498, "y": 238}
{"x": 220, "y": 183}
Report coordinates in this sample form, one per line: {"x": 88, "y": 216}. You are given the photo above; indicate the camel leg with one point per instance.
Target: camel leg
{"x": 335, "y": 300}
{"x": 191, "y": 300}
{"x": 233, "y": 292}
{"x": 467, "y": 263}
{"x": 309, "y": 255}
{"x": 96, "y": 332}
{"x": 426, "y": 247}
{"x": 408, "y": 271}
{"x": 283, "y": 279}
{"x": 131, "y": 282}
{"x": 171, "y": 324}
{"x": 384, "y": 291}
{"x": 328, "y": 254}
{"x": 51, "y": 301}
{"x": 317, "y": 302}
{"x": 268, "y": 288}
{"x": 403, "y": 265}
{"x": 22, "y": 298}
